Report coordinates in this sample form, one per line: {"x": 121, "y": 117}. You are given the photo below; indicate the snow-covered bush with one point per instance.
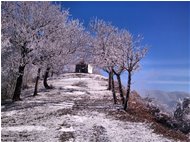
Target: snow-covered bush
{"x": 182, "y": 111}
{"x": 180, "y": 120}
{"x": 182, "y": 115}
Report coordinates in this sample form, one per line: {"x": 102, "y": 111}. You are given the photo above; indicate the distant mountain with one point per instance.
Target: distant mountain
{"x": 169, "y": 99}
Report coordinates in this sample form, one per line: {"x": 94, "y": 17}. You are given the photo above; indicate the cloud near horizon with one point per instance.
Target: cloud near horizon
{"x": 162, "y": 76}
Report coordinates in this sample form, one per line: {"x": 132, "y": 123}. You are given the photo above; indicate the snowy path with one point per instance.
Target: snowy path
{"x": 75, "y": 111}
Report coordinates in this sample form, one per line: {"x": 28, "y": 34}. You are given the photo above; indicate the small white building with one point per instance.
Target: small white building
{"x": 83, "y": 68}
{"x": 90, "y": 68}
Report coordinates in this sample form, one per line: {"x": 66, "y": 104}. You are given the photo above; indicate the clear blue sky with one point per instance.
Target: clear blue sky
{"x": 165, "y": 27}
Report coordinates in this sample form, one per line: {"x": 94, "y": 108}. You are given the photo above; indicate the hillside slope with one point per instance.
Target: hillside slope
{"x": 77, "y": 109}
{"x": 169, "y": 99}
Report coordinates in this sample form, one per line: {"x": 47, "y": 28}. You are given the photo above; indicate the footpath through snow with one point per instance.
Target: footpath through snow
{"x": 75, "y": 111}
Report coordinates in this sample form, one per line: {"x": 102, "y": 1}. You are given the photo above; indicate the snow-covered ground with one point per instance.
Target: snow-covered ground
{"x": 73, "y": 112}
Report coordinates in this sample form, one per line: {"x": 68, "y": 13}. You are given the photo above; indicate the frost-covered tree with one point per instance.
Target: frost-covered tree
{"x": 122, "y": 43}
{"x": 133, "y": 54}
{"x": 62, "y": 45}
{"x": 73, "y": 40}
{"x": 116, "y": 51}
{"x": 104, "y": 44}
{"x": 25, "y": 24}
{"x": 59, "y": 49}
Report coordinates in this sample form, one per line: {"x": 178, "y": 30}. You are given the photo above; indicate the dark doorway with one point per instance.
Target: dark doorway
{"x": 81, "y": 68}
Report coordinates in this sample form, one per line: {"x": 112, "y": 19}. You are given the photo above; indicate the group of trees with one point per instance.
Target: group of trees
{"x": 117, "y": 51}
{"x": 41, "y": 35}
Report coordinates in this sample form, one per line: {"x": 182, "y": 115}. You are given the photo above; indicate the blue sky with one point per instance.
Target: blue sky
{"x": 165, "y": 28}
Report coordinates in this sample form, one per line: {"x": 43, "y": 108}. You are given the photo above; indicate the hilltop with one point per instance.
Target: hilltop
{"x": 80, "y": 108}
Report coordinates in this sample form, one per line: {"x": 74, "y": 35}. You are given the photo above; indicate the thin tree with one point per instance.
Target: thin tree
{"x": 36, "y": 82}
{"x": 118, "y": 76}
{"x": 134, "y": 53}
{"x": 121, "y": 43}
{"x": 105, "y": 35}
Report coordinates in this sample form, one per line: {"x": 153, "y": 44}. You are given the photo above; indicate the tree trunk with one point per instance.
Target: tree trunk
{"x": 128, "y": 90}
{"x": 113, "y": 88}
{"x": 17, "y": 91}
{"x": 120, "y": 88}
{"x": 36, "y": 84}
{"x": 110, "y": 81}
{"x": 52, "y": 74}
{"x": 45, "y": 79}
